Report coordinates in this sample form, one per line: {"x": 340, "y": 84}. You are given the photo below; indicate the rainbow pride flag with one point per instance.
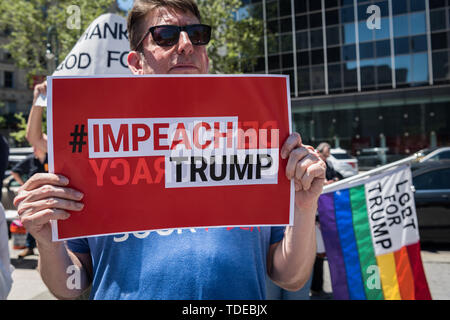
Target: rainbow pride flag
{"x": 371, "y": 238}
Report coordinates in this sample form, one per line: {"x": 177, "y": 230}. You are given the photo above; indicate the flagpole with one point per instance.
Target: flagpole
{"x": 415, "y": 157}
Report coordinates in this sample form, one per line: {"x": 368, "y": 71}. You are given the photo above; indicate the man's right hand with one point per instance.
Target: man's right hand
{"x": 45, "y": 197}
{"x": 39, "y": 89}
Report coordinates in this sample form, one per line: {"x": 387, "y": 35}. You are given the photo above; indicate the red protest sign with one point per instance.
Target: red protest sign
{"x": 162, "y": 152}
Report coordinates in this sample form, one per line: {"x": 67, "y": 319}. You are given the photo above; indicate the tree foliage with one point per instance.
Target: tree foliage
{"x": 28, "y": 23}
{"x": 236, "y": 40}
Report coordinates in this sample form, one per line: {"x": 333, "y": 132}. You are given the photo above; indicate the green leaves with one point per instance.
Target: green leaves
{"x": 28, "y": 22}
{"x": 235, "y": 42}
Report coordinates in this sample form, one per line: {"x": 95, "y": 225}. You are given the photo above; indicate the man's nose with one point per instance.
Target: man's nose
{"x": 185, "y": 45}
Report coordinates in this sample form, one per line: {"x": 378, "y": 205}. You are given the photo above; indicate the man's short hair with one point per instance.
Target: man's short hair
{"x": 137, "y": 15}
{"x": 321, "y": 147}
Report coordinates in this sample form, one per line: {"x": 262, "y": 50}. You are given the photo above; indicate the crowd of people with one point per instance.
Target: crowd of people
{"x": 167, "y": 37}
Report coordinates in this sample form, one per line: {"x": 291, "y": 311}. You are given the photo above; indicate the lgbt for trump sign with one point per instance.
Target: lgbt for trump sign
{"x": 371, "y": 237}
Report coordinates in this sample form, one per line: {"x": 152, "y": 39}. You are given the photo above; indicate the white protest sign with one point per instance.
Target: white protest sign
{"x": 102, "y": 49}
{"x": 392, "y": 211}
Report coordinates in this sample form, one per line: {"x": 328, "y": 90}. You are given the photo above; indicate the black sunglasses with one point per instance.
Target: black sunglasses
{"x": 168, "y": 35}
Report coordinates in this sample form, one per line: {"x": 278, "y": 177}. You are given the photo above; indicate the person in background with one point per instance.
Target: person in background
{"x": 34, "y": 163}
{"x": 317, "y": 291}
{"x": 4, "y": 154}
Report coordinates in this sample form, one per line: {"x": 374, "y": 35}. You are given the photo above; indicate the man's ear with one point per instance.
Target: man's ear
{"x": 135, "y": 63}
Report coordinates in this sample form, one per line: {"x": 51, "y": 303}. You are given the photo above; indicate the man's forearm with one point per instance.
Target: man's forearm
{"x": 61, "y": 271}
{"x": 294, "y": 256}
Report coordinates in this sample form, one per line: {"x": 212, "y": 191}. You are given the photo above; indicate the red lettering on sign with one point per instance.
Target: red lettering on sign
{"x": 181, "y": 131}
{"x": 158, "y": 136}
{"x": 108, "y": 136}
{"x": 135, "y": 135}
{"x": 197, "y": 127}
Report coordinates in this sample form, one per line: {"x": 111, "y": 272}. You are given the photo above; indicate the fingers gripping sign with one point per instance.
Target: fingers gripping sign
{"x": 305, "y": 168}
{"x": 45, "y": 197}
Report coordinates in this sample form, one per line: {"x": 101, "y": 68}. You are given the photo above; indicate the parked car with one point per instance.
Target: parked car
{"x": 435, "y": 154}
{"x": 431, "y": 180}
{"x": 344, "y": 164}
{"x": 369, "y": 158}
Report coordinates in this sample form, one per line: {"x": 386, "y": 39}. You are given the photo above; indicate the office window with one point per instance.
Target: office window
{"x": 8, "y": 79}
{"x": 315, "y": 20}
{"x": 273, "y": 44}
{"x": 441, "y": 65}
{"x": 401, "y": 45}
{"x": 272, "y": 8}
{"x": 362, "y": 12}
{"x": 286, "y": 42}
{"x": 332, "y": 17}
{"x": 330, "y": 3}
{"x": 366, "y": 50}
{"x": 272, "y": 26}
{"x": 334, "y": 76}
{"x": 418, "y": 23}
{"x": 403, "y": 69}
{"x": 417, "y": 5}
{"x": 260, "y": 64}
{"x": 302, "y": 40}
{"x": 348, "y": 33}
{"x": 301, "y": 22}
{"x": 334, "y": 54}
{"x": 347, "y": 15}
{"x": 419, "y": 43}
{"x": 316, "y": 39}
{"x": 274, "y": 62}
{"x": 314, "y": 5}
{"x": 304, "y": 83}
{"x": 317, "y": 56}
{"x": 285, "y": 8}
{"x": 399, "y": 7}
{"x": 287, "y": 61}
{"x": 437, "y": 4}
{"x": 384, "y": 7}
{"x": 383, "y": 32}
{"x": 332, "y": 36}
{"x": 384, "y": 70}
{"x": 303, "y": 58}
{"x": 318, "y": 78}
{"x": 350, "y": 76}
{"x": 286, "y": 25}
{"x": 437, "y": 20}
{"x": 365, "y": 34}
{"x": 300, "y": 6}
{"x": 367, "y": 73}
{"x": 400, "y": 26}
{"x": 383, "y": 48}
{"x": 439, "y": 40}
{"x": 349, "y": 52}
{"x": 420, "y": 67}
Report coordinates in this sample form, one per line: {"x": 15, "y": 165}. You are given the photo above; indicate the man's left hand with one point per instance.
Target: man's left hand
{"x": 306, "y": 168}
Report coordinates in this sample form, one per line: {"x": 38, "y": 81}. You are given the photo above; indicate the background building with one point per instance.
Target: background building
{"x": 15, "y": 93}
{"x": 364, "y": 74}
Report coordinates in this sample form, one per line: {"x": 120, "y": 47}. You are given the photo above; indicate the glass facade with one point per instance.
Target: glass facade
{"x": 360, "y": 48}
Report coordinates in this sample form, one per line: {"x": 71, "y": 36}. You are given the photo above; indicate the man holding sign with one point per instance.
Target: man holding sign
{"x": 166, "y": 37}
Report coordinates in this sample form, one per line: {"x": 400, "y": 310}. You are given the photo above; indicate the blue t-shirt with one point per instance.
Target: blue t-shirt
{"x": 177, "y": 264}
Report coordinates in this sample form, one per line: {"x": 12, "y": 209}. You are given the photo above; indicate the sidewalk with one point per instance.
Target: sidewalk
{"x": 27, "y": 283}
